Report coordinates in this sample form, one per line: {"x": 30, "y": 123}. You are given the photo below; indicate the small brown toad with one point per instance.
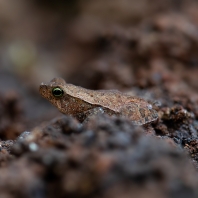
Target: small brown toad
{"x": 82, "y": 103}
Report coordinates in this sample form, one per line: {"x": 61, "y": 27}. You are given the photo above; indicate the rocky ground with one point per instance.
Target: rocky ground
{"x": 147, "y": 49}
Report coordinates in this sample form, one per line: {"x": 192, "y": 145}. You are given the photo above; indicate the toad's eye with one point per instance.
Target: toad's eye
{"x": 57, "y": 92}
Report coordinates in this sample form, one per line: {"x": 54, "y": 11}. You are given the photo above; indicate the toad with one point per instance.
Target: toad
{"x": 82, "y": 103}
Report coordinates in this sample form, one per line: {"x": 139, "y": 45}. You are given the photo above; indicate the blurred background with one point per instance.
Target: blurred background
{"x": 145, "y": 47}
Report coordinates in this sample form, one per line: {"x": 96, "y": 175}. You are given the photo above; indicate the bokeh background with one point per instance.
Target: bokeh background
{"x": 146, "y": 47}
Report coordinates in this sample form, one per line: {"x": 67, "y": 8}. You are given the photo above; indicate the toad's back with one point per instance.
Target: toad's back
{"x": 111, "y": 99}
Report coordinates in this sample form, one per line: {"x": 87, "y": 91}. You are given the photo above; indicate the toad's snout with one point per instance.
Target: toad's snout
{"x": 43, "y": 90}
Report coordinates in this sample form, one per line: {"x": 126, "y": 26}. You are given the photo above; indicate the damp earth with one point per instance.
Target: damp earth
{"x": 146, "y": 49}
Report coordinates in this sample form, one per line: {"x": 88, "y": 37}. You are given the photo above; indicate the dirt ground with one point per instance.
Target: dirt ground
{"x": 146, "y": 48}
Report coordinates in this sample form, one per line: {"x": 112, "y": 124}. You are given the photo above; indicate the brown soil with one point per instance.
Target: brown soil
{"x": 145, "y": 48}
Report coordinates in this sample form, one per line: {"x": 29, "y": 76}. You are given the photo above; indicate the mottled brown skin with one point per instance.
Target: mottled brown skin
{"x": 81, "y": 103}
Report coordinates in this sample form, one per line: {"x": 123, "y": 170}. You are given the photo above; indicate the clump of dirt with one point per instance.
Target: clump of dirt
{"x": 11, "y": 116}
{"x": 108, "y": 157}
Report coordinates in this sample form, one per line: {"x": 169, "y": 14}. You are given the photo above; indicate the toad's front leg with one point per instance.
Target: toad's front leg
{"x": 87, "y": 115}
